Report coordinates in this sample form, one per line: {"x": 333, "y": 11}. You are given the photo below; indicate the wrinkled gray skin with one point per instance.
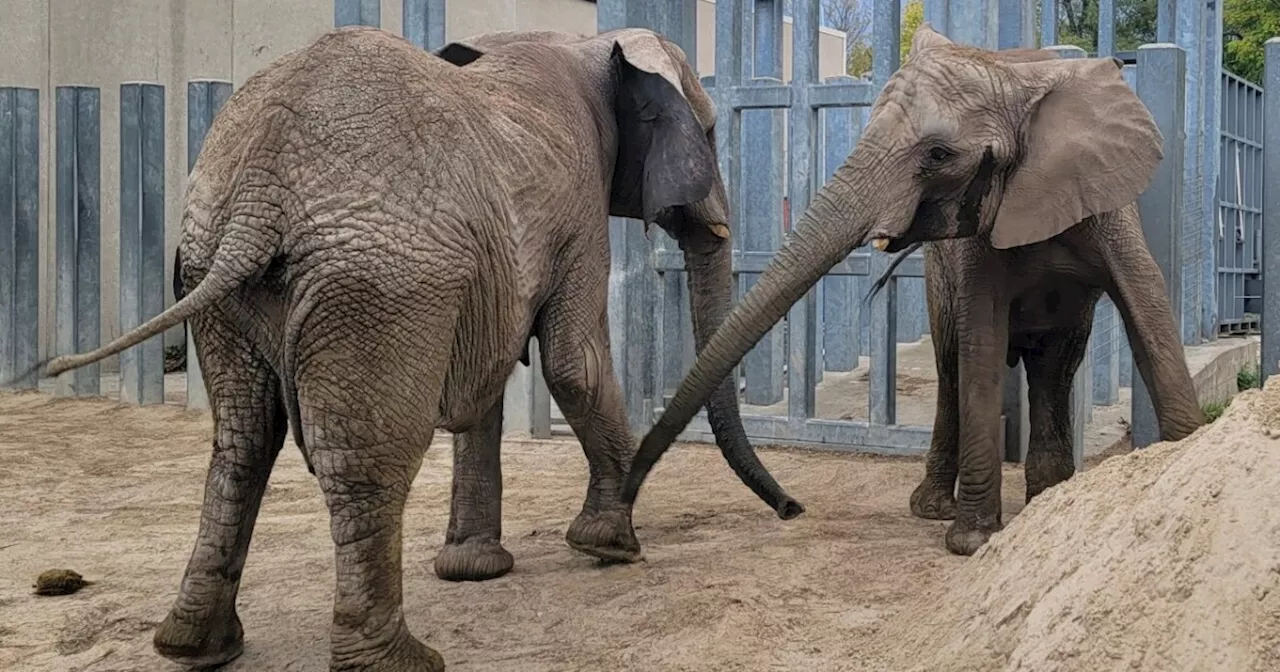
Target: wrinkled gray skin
{"x": 1020, "y": 172}
{"x": 371, "y": 234}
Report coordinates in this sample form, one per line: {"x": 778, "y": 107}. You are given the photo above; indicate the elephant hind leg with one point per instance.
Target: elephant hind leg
{"x": 250, "y": 426}
{"x": 1051, "y": 368}
{"x": 370, "y": 383}
{"x": 473, "y": 543}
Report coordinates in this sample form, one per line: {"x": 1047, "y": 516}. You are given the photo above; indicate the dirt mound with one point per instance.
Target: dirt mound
{"x": 1163, "y": 559}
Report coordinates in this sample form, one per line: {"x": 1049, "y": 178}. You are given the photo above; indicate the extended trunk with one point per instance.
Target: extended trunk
{"x": 829, "y": 230}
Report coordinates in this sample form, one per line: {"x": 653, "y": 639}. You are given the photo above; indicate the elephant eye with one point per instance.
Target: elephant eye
{"x": 938, "y": 154}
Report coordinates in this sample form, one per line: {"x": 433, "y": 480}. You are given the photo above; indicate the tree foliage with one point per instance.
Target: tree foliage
{"x": 912, "y": 17}
{"x": 1246, "y": 26}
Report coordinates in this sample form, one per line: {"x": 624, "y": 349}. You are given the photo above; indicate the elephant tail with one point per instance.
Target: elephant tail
{"x": 241, "y": 255}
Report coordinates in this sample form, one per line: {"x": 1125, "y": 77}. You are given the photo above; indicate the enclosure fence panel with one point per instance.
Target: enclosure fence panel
{"x": 1239, "y": 220}
{"x": 780, "y": 135}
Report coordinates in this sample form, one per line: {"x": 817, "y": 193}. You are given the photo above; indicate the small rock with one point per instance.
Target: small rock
{"x": 59, "y": 582}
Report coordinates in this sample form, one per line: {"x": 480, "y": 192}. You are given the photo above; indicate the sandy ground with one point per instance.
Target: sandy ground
{"x": 114, "y": 491}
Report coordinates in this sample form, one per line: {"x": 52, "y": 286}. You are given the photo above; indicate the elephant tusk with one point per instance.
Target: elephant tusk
{"x": 880, "y": 244}
{"x": 720, "y": 230}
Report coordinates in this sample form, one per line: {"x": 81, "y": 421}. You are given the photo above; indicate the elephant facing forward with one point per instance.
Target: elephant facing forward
{"x": 371, "y": 235}
{"x": 1018, "y": 172}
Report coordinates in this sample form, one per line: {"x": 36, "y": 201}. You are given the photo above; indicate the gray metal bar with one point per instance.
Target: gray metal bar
{"x": 883, "y": 336}
{"x": 858, "y": 263}
{"x": 760, "y": 208}
{"x": 1106, "y": 27}
{"x": 77, "y": 152}
{"x": 1190, "y": 36}
{"x": 1271, "y": 212}
{"x": 1048, "y": 22}
{"x": 1161, "y": 84}
{"x": 801, "y": 318}
{"x": 843, "y": 93}
{"x": 760, "y": 95}
{"x": 357, "y": 13}
{"x": 837, "y": 435}
{"x": 1166, "y": 20}
{"x": 204, "y": 98}
{"x": 19, "y": 235}
{"x": 1107, "y": 331}
{"x": 130, "y": 236}
{"x": 841, "y": 303}
{"x": 424, "y": 22}
{"x": 142, "y": 257}
{"x": 1211, "y": 152}
{"x": 1016, "y": 411}
{"x": 1017, "y": 24}
{"x": 540, "y": 404}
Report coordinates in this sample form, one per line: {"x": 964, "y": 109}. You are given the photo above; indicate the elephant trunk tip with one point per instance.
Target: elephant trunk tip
{"x": 789, "y": 508}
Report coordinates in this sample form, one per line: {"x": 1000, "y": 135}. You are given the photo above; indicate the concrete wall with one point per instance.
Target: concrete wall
{"x": 49, "y": 43}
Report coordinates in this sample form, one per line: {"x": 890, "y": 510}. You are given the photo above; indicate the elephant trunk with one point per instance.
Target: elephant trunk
{"x": 709, "y": 261}
{"x": 832, "y": 226}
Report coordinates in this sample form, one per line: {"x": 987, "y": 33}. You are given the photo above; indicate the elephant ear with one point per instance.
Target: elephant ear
{"x": 1091, "y": 146}
{"x": 926, "y": 37}
{"x": 665, "y": 157}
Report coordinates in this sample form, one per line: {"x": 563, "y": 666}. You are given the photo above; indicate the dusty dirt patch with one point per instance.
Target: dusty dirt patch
{"x": 1162, "y": 559}
{"x": 114, "y": 493}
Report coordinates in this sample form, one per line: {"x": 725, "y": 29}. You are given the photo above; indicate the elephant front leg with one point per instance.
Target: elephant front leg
{"x": 202, "y": 628}
{"x": 983, "y": 339}
{"x": 473, "y": 543}
{"x": 579, "y": 372}
{"x": 934, "y": 498}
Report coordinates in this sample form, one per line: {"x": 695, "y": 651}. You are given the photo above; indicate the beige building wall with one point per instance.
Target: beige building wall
{"x": 48, "y": 43}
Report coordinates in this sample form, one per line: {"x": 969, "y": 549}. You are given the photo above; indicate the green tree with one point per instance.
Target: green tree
{"x": 912, "y": 17}
{"x": 1078, "y": 23}
{"x": 1246, "y": 25}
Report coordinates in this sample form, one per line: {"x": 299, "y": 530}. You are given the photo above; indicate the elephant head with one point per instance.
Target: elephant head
{"x": 664, "y": 169}
{"x": 1013, "y": 146}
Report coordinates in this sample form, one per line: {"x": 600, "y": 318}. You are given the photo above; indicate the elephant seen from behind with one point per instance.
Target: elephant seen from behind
{"x": 1019, "y": 173}
{"x": 371, "y": 235}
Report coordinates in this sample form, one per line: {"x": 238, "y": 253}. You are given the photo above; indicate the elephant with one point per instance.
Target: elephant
{"x": 371, "y": 235}
{"x": 1019, "y": 173}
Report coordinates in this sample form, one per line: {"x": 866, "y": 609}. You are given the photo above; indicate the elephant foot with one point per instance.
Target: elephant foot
{"x": 967, "y": 539}
{"x": 200, "y": 643}
{"x": 931, "y": 502}
{"x": 406, "y": 654}
{"x": 1044, "y": 472}
{"x": 607, "y": 535}
{"x": 475, "y": 559}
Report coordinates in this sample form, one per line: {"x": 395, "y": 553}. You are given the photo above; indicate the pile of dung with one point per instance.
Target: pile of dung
{"x": 1167, "y": 558}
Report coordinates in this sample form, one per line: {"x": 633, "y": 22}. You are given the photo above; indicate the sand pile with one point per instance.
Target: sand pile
{"x": 1163, "y": 559}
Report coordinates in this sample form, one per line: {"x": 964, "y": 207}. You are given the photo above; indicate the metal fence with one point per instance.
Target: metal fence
{"x": 1239, "y": 211}
{"x": 778, "y": 143}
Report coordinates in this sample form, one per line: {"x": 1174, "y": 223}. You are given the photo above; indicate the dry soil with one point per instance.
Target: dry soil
{"x": 1115, "y": 569}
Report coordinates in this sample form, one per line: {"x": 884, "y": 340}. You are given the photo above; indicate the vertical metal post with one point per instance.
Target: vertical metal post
{"x": 424, "y": 23}
{"x": 975, "y": 22}
{"x": 1162, "y": 87}
{"x": 1048, "y": 22}
{"x": 760, "y": 208}
{"x": 19, "y": 235}
{"x": 142, "y": 257}
{"x": 1211, "y": 153}
{"x": 204, "y": 98}
{"x": 632, "y": 281}
{"x": 1190, "y": 28}
{"x": 1166, "y": 20}
{"x": 78, "y": 151}
{"x": 357, "y": 13}
{"x": 841, "y": 303}
{"x": 1106, "y": 27}
{"x": 883, "y": 329}
{"x": 1018, "y": 24}
{"x": 1271, "y": 212}
{"x": 802, "y": 373}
